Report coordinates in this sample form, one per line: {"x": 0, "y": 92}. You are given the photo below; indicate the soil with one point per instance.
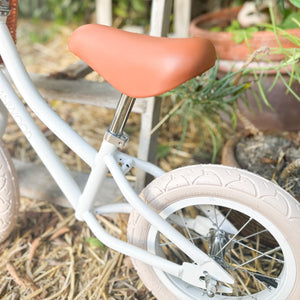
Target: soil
{"x": 269, "y": 155}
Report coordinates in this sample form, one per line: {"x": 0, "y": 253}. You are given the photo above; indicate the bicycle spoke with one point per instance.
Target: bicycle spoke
{"x": 243, "y": 253}
{"x": 243, "y": 269}
{"x": 253, "y": 234}
{"x": 233, "y": 237}
{"x": 215, "y": 213}
{"x": 262, "y": 255}
{"x": 192, "y": 239}
{"x": 185, "y": 227}
{"x": 257, "y": 251}
{"x": 225, "y": 218}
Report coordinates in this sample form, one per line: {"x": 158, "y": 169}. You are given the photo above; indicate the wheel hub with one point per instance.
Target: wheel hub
{"x": 218, "y": 240}
{"x": 217, "y": 249}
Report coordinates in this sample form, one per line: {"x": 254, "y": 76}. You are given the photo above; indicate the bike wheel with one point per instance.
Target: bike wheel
{"x": 9, "y": 194}
{"x": 254, "y": 232}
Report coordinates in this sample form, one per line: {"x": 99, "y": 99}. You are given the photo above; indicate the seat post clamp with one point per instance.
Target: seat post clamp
{"x": 117, "y": 140}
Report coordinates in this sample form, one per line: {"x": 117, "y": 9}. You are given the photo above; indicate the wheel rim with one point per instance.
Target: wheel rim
{"x": 274, "y": 264}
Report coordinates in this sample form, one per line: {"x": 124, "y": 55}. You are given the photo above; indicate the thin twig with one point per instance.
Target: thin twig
{"x": 41, "y": 290}
{"x": 290, "y": 169}
{"x": 20, "y": 280}
{"x": 167, "y": 116}
{"x": 248, "y": 125}
{"x": 33, "y": 247}
{"x": 59, "y": 232}
{"x": 251, "y": 58}
{"x": 14, "y": 274}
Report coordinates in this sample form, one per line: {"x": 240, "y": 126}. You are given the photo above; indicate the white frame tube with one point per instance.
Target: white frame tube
{"x": 40, "y": 144}
{"x": 149, "y": 214}
{"x": 34, "y": 100}
{"x": 106, "y": 158}
{"x": 68, "y": 185}
{"x": 130, "y": 250}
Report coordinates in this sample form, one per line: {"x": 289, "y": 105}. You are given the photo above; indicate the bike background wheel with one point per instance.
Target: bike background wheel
{"x": 271, "y": 204}
{"x": 9, "y": 194}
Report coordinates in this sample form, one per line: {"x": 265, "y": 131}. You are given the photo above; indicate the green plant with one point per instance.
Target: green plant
{"x": 255, "y": 14}
{"x": 240, "y": 34}
{"x": 133, "y": 12}
{"x": 294, "y": 2}
{"x": 62, "y": 11}
{"x": 290, "y": 63}
{"x": 292, "y": 55}
{"x": 202, "y": 99}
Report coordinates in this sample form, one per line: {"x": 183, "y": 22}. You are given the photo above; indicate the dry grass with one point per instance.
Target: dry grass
{"x": 50, "y": 255}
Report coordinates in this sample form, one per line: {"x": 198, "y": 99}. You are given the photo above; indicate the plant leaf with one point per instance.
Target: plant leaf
{"x": 163, "y": 151}
{"x": 94, "y": 242}
{"x": 139, "y": 6}
{"x": 295, "y": 3}
{"x": 280, "y": 4}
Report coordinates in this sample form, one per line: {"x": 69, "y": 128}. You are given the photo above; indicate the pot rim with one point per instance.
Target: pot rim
{"x": 223, "y": 40}
{"x": 232, "y": 11}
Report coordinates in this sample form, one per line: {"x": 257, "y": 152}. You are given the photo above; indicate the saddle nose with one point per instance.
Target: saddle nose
{"x": 140, "y": 65}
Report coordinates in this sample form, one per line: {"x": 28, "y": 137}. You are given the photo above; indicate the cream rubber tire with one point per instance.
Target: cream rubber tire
{"x": 216, "y": 185}
{"x": 9, "y": 194}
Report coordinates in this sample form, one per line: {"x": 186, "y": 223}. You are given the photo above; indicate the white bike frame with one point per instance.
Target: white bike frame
{"x": 108, "y": 158}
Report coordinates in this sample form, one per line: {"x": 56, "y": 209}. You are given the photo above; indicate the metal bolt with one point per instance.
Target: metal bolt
{"x": 211, "y": 285}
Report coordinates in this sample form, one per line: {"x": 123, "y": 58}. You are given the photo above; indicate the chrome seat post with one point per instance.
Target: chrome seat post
{"x": 114, "y": 134}
{"x": 122, "y": 112}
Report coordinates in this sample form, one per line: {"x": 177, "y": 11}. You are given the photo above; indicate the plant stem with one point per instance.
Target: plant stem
{"x": 290, "y": 169}
{"x": 167, "y": 116}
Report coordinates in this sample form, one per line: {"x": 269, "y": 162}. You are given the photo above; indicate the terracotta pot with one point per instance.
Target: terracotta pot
{"x": 285, "y": 111}
{"x": 225, "y": 46}
{"x": 228, "y": 151}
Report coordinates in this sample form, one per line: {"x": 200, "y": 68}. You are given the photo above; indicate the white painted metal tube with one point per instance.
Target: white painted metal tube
{"x": 150, "y": 215}
{"x": 121, "y": 208}
{"x": 128, "y": 249}
{"x": 95, "y": 181}
{"x": 3, "y": 119}
{"x": 141, "y": 164}
{"x": 38, "y": 141}
{"x": 25, "y": 86}
{"x": 196, "y": 254}
{"x": 93, "y": 187}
